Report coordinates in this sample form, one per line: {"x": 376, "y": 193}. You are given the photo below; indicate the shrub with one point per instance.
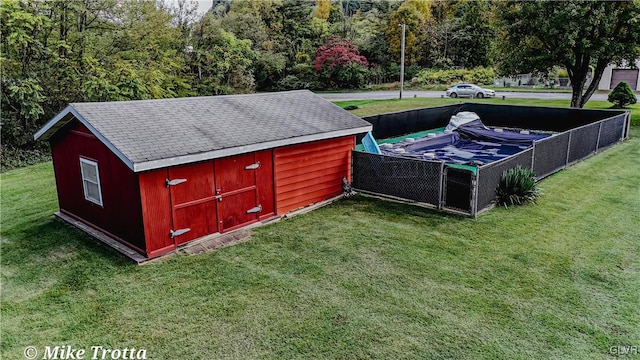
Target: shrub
{"x": 517, "y": 187}
{"x": 479, "y": 75}
{"x": 293, "y": 82}
{"x": 340, "y": 65}
{"x": 15, "y": 157}
{"x": 562, "y": 73}
{"x": 622, "y": 95}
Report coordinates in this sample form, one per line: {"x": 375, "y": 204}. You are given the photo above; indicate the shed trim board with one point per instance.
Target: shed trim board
{"x": 55, "y": 124}
{"x": 157, "y": 164}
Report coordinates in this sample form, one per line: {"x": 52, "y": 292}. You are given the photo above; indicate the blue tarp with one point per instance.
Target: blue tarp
{"x": 476, "y": 130}
{"x": 470, "y": 144}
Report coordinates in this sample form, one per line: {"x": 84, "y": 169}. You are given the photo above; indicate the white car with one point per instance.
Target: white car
{"x": 469, "y": 90}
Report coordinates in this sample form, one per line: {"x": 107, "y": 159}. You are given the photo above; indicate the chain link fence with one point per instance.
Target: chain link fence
{"x": 489, "y": 176}
{"x": 461, "y": 190}
{"x": 611, "y": 132}
{"x": 410, "y": 179}
{"x": 550, "y": 154}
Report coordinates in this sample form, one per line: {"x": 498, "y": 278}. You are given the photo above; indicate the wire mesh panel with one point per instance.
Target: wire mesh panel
{"x": 410, "y": 121}
{"x": 612, "y": 131}
{"x": 550, "y": 154}
{"x": 489, "y": 176}
{"x": 583, "y": 142}
{"x": 410, "y": 179}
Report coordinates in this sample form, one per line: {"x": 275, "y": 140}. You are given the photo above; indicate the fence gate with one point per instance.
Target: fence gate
{"x": 458, "y": 189}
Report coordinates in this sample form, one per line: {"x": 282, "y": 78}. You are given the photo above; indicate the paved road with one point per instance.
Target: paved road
{"x": 436, "y": 94}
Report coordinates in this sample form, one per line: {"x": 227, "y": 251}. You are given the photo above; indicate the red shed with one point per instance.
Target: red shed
{"x": 150, "y": 175}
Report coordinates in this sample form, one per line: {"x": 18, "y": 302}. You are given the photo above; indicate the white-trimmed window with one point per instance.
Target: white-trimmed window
{"x": 91, "y": 181}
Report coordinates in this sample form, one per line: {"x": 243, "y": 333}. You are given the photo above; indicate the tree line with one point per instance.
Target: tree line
{"x": 58, "y": 52}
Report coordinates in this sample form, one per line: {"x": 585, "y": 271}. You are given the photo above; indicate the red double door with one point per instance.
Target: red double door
{"x": 220, "y": 195}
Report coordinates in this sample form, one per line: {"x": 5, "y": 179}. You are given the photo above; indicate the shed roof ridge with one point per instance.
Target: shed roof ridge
{"x": 187, "y": 98}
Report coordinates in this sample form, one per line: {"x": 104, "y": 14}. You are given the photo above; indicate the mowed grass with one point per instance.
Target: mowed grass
{"x": 361, "y": 278}
{"x": 371, "y": 107}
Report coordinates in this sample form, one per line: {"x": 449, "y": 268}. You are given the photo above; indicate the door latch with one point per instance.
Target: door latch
{"x": 252, "y": 166}
{"x": 174, "y": 182}
{"x": 179, "y": 232}
{"x": 219, "y": 198}
{"x": 255, "y": 209}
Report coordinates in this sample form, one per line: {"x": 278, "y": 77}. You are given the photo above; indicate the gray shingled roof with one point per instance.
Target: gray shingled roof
{"x": 157, "y": 133}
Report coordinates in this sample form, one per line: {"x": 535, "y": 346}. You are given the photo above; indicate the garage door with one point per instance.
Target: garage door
{"x": 630, "y": 76}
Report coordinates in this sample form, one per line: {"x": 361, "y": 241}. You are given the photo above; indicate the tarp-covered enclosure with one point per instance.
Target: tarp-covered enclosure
{"x": 452, "y": 157}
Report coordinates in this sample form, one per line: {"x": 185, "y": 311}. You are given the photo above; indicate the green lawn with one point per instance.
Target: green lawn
{"x": 371, "y": 107}
{"x": 361, "y": 278}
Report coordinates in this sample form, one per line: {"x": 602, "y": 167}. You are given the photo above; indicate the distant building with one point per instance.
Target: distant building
{"x": 614, "y": 74}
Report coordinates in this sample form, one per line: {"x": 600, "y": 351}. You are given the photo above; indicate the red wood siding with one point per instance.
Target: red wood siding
{"x": 193, "y": 204}
{"x": 139, "y": 209}
{"x": 237, "y": 186}
{"x": 264, "y": 181}
{"x": 121, "y": 213}
{"x": 156, "y": 212}
{"x": 311, "y": 172}
{"x": 193, "y": 201}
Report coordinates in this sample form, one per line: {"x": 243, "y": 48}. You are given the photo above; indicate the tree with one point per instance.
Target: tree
{"x": 296, "y": 32}
{"x": 415, "y": 14}
{"x": 139, "y": 56}
{"x": 322, "y": 10}
{"x": 339, "y": 64}
{"x": 22, "y": 53}
{"x": 220, "y": 63}
{"x": 463, "y": 35}
{"x": 580, "y": 35}
{"x": 622, "y": 95}
{"x": 269, "y": 65}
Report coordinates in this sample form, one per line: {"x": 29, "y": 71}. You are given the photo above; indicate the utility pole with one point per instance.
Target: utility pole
{"x": 402, "y": 60}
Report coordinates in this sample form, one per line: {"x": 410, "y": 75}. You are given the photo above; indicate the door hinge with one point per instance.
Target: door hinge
{"x": 252, "y": 166}
{"x": 178, "y": 232}
{"x": 255, "y": 209}
{"x": 174, "y": 182}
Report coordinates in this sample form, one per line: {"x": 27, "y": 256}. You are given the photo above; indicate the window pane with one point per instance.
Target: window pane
{"x": 89, "y": 172}
{"x": 93, "y": 193}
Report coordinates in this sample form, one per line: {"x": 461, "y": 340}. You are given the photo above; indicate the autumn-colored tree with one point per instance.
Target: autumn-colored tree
{"x": 323, "y": 8}
{"x": 340, "y": 65}
{"x": 415, "y": 14}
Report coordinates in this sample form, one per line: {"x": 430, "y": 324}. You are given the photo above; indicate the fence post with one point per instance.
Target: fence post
{"x": 533, "y": 156}
{"x": 440, "y": 200}
{"x": 474, "y": 201}
{"x": 599, "y": 132}
{"x": 566, "y": 163}
{"x": 627, "y": 125}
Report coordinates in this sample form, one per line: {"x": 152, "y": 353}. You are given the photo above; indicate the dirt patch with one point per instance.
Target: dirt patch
{"x": 215, "y": 243}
